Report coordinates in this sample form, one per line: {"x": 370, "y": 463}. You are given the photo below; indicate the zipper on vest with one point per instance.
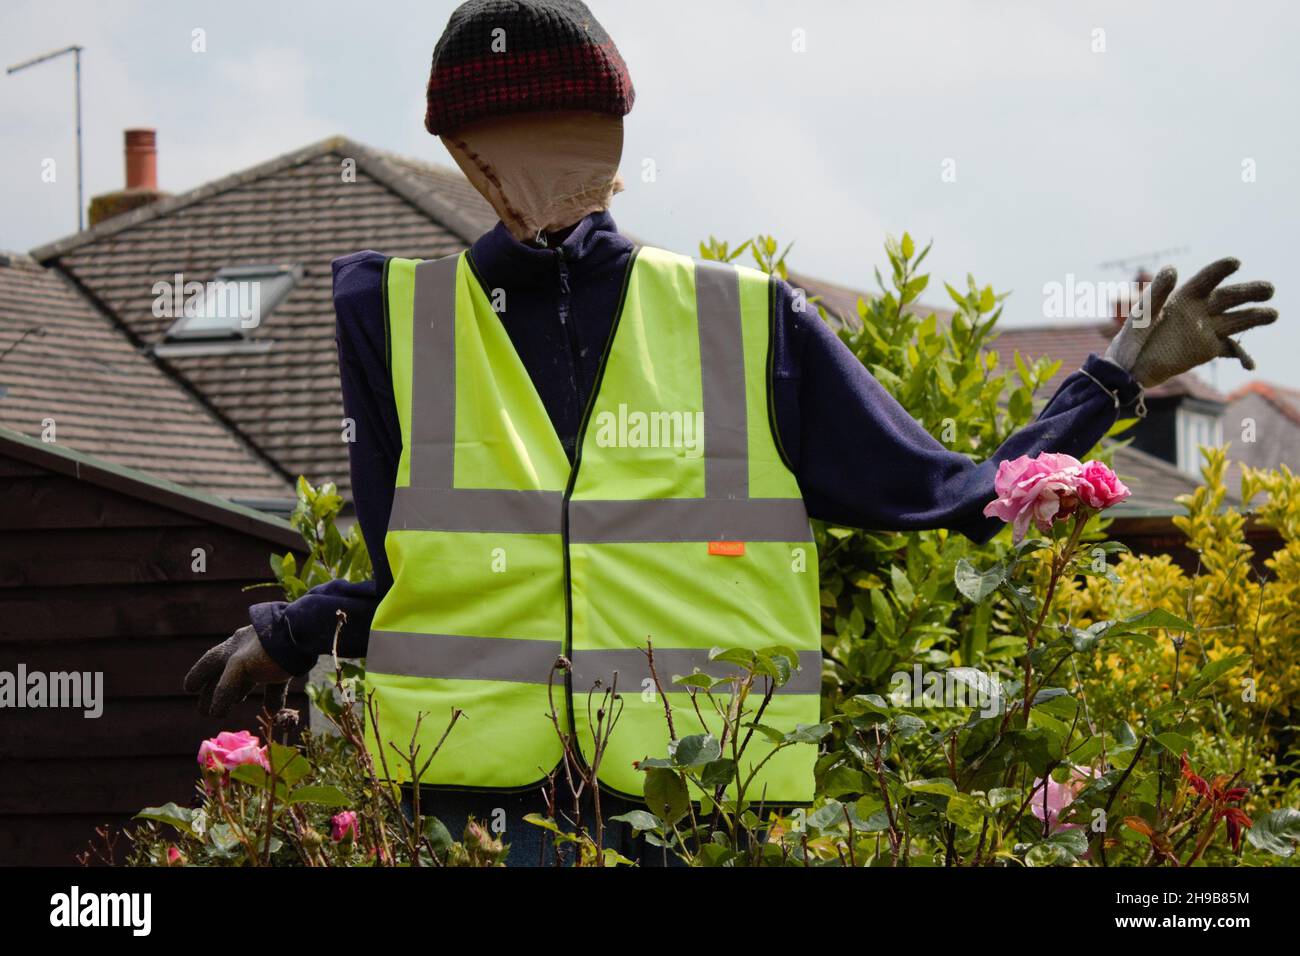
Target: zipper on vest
{"x": 562, "y": 304}
{"x": 568, "y": 494}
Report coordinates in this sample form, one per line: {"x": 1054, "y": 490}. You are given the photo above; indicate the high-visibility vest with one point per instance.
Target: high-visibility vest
{"x": 678, "y": 522}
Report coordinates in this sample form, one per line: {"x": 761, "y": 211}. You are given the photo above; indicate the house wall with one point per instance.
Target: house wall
{"x": 1157, "y": 434}
{"x": 99, "y": 580}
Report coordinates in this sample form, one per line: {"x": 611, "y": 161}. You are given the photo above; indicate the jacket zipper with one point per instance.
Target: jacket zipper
{"x": 568, "y": 494}
{"x": 570, "y": 329}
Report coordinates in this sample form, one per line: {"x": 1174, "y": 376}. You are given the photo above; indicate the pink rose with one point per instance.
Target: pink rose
{"x": 343, "y": 825}
{"x": 1059, "y": 796}
{"x": 1041, "y": 490}
{"x": 1050, "y": 488}
{"x": 174, "y": 857}
{"x": 230, "y": 749}
{"x": 1099, "y": 487}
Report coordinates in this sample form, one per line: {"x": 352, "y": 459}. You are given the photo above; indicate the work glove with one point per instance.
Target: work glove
{"x": 227, "y": 673}
{"x": 1191, "y": 326}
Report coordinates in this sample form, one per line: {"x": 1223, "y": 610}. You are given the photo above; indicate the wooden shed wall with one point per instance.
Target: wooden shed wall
{"x": 93, "y": 579}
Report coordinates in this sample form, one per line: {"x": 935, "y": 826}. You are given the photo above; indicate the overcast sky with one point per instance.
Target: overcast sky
{"x": 1078, "y": 133}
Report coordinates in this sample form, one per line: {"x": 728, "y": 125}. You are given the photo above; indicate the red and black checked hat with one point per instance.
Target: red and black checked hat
{"x": 517, "y": 56}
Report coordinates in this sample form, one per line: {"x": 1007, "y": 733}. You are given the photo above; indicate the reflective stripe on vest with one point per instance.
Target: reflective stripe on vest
{"x": 679, "y": 522}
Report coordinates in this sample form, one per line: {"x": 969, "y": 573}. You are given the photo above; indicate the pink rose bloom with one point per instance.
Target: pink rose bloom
{"x": 1050, "y": 488}
{"x": 1099, "y": 487}
{"x": 1041, "y": 490}
{"x": 343, "y": 825}
{"x": 230, "y": 749}
{"x": 174, "y": 857}
{"x": 1059, "y": 796}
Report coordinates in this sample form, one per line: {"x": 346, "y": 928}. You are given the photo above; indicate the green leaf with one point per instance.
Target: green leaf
{"x": 1048, "y": 854}
{"x": 546, "y": 823}
{"x": 698, "y": 679}
{"x": 695, "y": 751}
{"x": 858, "y": 623}
{"x": 1021, "y": 404}
{"x": 1074, "y": 841}
{"x": 732, "y": 655}
{"x": 1158, "y": 617}
{"x": 768, "y": 731}
{"x": 907, "y": 725}
{"x": 223, "y": 837}
{"x": 1210, "y": 673}
{"x": 639, "y": 820}
{"x": 171, "y": 814}
{"x": 861, "y": 704}
{"x": 978, "y": 585}
{"x": 1276, "y": 832}
{"x": 882, "y": 615}
{"x": 939, "y": 785}
{"x": 325, "y": 795}
{"x": 965, "y": 811}
{"x": 902, "y": 586}
{"x": 437, "y": 834}
{"x": 1003, "y": 796}
{"x": 718, "y": 773}
{"x": 829, "y": 816}
{"x": 666, "y": 795}
{"x": 843, "y": 780}
{"x": 1176, "y": 744}
{"x": 289, "y": 763}
{"x": 807, "y": 733}
{"x": 252, "y": 774}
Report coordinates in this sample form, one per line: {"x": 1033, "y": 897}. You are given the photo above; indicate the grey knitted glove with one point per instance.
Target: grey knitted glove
{"x": 227, "y": 673}
{"x": 1192, "y": 325}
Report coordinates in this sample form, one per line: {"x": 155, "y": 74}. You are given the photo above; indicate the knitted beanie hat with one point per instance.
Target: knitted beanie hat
{"x": 516, "y": 56}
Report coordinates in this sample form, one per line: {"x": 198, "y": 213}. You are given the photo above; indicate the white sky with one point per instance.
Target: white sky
{"x": 1065, "y": 158}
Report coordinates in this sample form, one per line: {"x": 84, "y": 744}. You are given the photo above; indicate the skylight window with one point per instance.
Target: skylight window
{"x": 229, "y": 308}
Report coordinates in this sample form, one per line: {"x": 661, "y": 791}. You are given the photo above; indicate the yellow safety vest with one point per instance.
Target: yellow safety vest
{"x": 679, "y": 522}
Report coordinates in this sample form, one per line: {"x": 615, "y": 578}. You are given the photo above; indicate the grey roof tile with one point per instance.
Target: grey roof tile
{"x": 61, "y": 359}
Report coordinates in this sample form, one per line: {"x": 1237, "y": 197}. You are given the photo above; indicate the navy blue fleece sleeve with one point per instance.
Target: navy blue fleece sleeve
{"x": 862, "y": 461}
{"x": 294, "y": 635}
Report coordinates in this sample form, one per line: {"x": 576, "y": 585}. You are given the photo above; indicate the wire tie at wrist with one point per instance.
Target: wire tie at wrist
{"x": 1114, "y": 394}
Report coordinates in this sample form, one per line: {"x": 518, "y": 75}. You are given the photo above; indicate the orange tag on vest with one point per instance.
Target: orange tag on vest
{"x": 728, "y": 549}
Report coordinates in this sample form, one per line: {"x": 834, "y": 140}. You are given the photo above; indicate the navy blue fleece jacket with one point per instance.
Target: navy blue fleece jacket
{"x": 860, "y": 459}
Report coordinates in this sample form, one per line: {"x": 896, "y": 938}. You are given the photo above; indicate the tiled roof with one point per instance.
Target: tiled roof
{"x": 186, "y": 499}
{"x": 1285, "y": 400}
{"x": 1153, "y": 481}
{"x": 62, "y": 359}
{"x": 299, "y": 209}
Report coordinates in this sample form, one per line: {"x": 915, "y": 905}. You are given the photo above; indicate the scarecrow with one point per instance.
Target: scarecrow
{"x": 571, "y": 450}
